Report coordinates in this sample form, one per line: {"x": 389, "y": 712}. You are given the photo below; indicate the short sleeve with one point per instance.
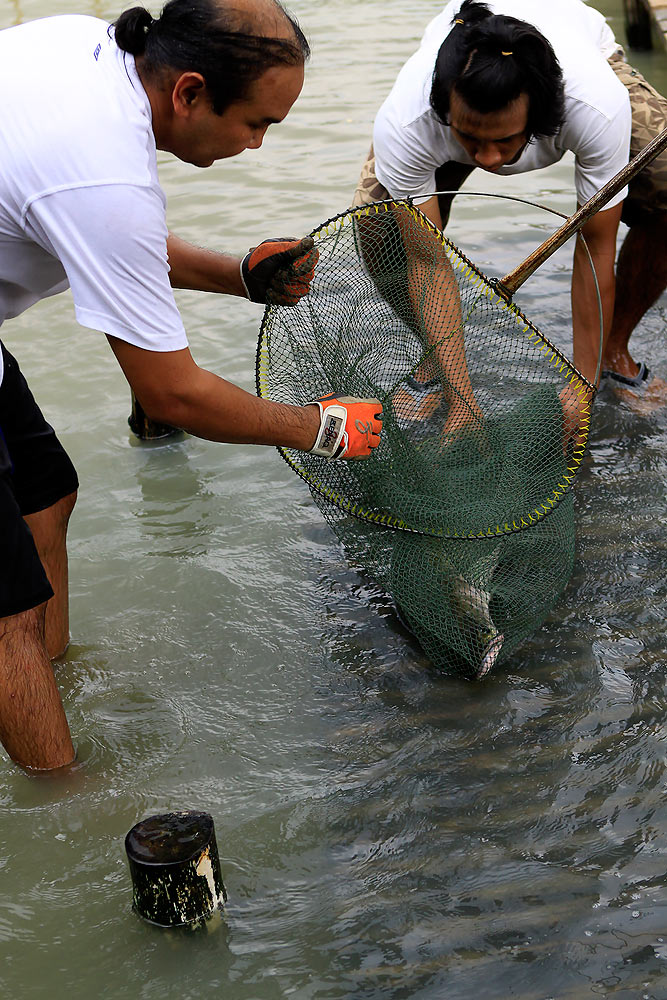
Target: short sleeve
{"x": 112, "y": 242}
{"x": 404, "y": 164}
{"x": 600, "y": 150}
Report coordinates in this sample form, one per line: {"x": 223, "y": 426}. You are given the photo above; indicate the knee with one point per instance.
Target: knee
{"x": 63, "y": 508}
{"x": 49, "y": 526}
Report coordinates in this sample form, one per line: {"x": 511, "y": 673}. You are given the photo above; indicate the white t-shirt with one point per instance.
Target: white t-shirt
{"x": 80, "y": 201}
{"x": 410, "y": 141}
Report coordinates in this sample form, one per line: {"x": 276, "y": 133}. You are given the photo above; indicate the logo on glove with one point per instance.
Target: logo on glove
{"x": 364, "y": 428}
{"x": 330, "y": 432}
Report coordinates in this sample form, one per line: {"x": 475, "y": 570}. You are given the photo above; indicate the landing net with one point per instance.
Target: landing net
{"x": 464, "y": 512}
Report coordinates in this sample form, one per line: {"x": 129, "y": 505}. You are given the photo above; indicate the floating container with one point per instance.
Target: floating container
{"x": 175, "y": 868}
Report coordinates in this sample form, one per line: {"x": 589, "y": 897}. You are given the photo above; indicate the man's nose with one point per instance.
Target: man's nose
{"x": 488, "y": 155}
{"x": 257, "y": 139}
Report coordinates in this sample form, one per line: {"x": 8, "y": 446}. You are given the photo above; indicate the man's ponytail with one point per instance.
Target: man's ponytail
{"x": 131, "y": 30}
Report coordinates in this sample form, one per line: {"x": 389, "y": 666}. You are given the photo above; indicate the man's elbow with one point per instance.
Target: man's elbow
{"x": 165, "y": 407}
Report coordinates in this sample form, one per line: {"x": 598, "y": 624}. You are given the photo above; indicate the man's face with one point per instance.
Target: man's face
{"x": 493, "y": 139}
{"x": 209, "y": 137}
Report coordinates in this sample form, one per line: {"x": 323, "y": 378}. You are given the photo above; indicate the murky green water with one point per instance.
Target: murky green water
{"x": 385, "y": 832}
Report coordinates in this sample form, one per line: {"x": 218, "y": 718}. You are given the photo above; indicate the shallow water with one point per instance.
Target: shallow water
{"x": 384, "y": 831}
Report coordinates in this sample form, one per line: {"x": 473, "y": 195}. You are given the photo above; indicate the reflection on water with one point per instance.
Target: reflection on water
{"x": 383, "y": 831}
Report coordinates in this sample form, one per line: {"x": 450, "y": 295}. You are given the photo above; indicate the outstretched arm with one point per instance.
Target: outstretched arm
{"x": 278, "y": 271}
{"x": 442, "y": 321}
{"x": 174, "y": 390}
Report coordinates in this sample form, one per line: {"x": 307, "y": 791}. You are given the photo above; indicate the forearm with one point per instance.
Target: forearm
{"x": 438, "y": 313}
{"x": 173, "y": 390}
{"x": 220, "y": 411}
{"x": 600, "y": 234}
{"x": 203, "y": 270}
{"x": 585, "y": 311}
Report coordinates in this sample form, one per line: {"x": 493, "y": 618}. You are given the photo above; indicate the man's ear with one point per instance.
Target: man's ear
{"x": 188, "y": 90}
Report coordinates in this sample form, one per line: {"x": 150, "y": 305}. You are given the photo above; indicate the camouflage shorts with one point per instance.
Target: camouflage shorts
{"x": 368, "y": 187}
{"x": 648, "y": 191}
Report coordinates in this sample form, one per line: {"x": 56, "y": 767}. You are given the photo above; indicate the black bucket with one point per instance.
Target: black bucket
{"x": 175, "y": 868}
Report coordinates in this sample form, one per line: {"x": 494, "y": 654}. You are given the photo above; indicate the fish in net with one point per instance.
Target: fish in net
{"x": 464, "y": 513}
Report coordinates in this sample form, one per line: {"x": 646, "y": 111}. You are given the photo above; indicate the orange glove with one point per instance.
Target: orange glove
{"x": 349, "y": 427}
{"x": 278, "y": 272}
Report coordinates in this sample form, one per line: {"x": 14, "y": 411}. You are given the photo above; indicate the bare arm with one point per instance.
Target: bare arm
{"x": 443, "y": 323}
{"x": 203, "y": 270}
{"x": 431, "y": 210}
{"x": 174, "y": 390}
{"x": 600, "y": 235}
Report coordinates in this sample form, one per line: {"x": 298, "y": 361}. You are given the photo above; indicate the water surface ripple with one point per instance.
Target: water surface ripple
{"x": 385, "y": 832}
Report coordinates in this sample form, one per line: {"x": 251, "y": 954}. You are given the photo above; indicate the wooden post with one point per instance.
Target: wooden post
{"x": 145, "y": 428}
{"x": 175, "y": 869}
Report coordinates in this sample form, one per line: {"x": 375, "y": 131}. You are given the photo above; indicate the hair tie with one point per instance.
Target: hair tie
{"x": 459, "y": 21}
{"x": 507, "y": 53}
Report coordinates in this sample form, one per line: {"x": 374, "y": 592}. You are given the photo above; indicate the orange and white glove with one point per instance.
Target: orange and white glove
{"x": 279, "y": 271}
{"x": 349, "y": 427}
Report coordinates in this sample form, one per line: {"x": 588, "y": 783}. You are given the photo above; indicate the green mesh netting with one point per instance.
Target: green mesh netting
{"x": 464, "y": 512}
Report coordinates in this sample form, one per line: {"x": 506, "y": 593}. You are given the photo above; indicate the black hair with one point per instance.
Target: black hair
{"x": 490, "y": 59}
{"x": 212, "y": 38}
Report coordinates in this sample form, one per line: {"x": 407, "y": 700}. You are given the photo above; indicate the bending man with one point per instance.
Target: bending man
{"x": 81, "y": 206}
{"x": 510, "y": 86}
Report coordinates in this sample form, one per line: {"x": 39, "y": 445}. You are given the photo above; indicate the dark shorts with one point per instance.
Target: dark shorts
{"x": 35, "y": 472}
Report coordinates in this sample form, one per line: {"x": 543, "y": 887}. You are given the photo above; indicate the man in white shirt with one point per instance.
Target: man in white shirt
{"x": 509, "y": 86}
{"x": 85, "y": 109}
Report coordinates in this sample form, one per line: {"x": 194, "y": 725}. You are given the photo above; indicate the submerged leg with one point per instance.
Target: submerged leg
{"x": 33, "y": 726}
{"x": 49, "y": 531}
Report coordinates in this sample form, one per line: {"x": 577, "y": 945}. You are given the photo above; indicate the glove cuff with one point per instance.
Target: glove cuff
{"x": 331, "y": 440}
{"x": 241, "y": 266}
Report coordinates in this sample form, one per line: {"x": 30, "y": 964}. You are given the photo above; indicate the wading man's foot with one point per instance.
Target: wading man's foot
{"x": 626, "y": 373}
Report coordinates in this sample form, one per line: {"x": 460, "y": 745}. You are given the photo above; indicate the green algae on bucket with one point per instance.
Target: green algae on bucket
{"x": 175, "y": 869}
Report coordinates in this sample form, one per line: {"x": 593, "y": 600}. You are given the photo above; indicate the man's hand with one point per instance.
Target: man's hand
{"x": 576, "y": 401}
{"x": 349, "y": 427}
{"x": 279, "y": 271}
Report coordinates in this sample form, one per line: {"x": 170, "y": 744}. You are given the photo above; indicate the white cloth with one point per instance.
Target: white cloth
{"x": 80, "y": 200}
{"x": 410, "y": 142}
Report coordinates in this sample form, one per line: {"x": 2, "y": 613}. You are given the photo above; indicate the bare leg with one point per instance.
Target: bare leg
{"x": 641, "y": 277}
{"x": 49, "y": 530}
{"x": 436, "y": 307}
{"x": 451, "y": 355}
{"x": 435, "y": 316}
{"x": 33, "y": 727}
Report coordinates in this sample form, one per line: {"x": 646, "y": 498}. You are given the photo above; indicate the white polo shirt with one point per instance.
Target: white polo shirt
{"x": 80, "y": 201}
{"x": 410, "y": 142}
